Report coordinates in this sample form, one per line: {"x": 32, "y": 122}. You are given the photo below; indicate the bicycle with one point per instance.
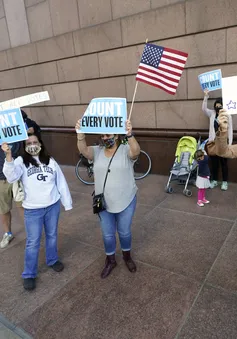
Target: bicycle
{"x": 85, "y": 173}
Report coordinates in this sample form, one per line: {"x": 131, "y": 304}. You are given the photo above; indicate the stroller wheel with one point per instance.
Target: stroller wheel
{"x": 169, "y": 189}
{"x": 187, "y": 193}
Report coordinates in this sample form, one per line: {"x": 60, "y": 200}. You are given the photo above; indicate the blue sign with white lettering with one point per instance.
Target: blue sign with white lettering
{"x": 12, "y": 126}
{"x": 105, "y": 116}
{"x": 211, "y": 80}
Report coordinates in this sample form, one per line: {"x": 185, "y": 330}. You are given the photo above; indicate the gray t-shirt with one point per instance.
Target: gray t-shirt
{"x": 120, "y": 188}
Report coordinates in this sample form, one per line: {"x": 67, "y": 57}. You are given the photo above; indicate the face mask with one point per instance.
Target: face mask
{"x": 33, "y": 149}
{"x": 218, "y": 109}
{"x": 109, "y": 143}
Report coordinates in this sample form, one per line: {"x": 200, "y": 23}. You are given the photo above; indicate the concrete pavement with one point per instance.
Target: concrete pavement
{"x": 185, "y": 286}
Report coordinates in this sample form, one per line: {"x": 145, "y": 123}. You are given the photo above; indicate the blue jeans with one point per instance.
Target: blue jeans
{"x": 122, "y": 222}
{"x": 34, "y": 221}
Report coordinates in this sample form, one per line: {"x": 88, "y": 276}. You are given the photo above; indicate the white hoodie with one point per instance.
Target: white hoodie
{"x": 43, "y": 185}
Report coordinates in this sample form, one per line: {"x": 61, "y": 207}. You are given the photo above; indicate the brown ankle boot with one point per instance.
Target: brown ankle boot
{"x": 110, "y": 264}
{"x": 129, "y": 262}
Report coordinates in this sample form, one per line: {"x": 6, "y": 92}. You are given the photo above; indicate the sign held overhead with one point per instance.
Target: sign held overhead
{"x": 26, "y": 100}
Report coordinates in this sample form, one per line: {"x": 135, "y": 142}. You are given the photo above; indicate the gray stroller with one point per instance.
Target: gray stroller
{"x": 184, "y": 169}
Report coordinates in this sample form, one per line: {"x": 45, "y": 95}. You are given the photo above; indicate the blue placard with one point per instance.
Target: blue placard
{"x": 211, "y": 80}
{"x": 12, "y": 126}
{"x": 105, "y": 116}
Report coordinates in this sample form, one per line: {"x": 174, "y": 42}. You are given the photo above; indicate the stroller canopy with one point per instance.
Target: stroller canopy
{"x": 186, "y": 144}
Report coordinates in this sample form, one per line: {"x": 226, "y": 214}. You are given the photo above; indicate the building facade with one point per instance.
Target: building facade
{"x": 81, "y": 49}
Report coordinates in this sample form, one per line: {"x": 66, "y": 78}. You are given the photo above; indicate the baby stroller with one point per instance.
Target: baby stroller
{"x": 184, "y": 169}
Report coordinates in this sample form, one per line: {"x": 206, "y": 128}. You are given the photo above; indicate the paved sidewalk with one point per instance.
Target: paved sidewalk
{"x": 11, "y": 331}
{"x": 185, "y": 286}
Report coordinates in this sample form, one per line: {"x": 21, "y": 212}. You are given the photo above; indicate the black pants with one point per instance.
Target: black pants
{"x": 215, "y": 161}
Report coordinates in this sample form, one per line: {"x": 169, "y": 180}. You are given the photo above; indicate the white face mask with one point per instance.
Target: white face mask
{"x": 33, "y": 149}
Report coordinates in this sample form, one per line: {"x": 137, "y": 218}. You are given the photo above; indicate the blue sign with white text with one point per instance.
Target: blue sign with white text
{"x": 211, "y": 80}
{"x": 12, "y": 126}
{"x": 105, "y": 116}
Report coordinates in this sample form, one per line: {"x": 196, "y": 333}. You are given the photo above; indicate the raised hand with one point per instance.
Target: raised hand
{"x": 6, "y": 149}
{"x": 223, "y": 120}
{"x": 78, "y": 125}
{"x": 128, "y": 127}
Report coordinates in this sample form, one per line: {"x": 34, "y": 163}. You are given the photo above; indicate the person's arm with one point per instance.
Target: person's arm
{"x": 63, "y": 189}
{"x": 15, "y": 149}
{"x": 11, "y": 169}
{"x": 134, "y": 148}
{"x": 36, "y": 127}
{"x": 206, "y": 110}
{"x": 203, "y": 161}
{"x": 86, "y": 151}
{"x": 32, "y": 126}
{"x": 210, "y": 148}
{"x": 222, "y": 148}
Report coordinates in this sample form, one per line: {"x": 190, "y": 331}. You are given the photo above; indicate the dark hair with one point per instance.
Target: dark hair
{"x": 24, "y": 115}
{"x": 198, "y": 154}
{"x": 218, "y": 101}
{"x": 44, "y": 156}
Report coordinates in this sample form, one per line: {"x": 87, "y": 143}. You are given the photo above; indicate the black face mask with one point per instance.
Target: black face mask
{"x": 217, "y": 109}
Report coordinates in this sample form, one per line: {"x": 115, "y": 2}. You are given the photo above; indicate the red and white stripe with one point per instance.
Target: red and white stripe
{"x": 168, "y": 73}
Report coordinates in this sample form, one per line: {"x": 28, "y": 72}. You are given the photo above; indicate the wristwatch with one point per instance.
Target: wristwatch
{"x": 130, "y": 136}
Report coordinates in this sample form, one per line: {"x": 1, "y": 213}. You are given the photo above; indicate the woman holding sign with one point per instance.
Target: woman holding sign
{"x": 115, "y": 191}
{"x": 213, "y": 127}
{"x": 44, "y": 186}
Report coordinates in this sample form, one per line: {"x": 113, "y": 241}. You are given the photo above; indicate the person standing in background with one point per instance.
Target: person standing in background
{"x": 44, "y": 186}
{"x": 31, "y": 126}
{"x": 6, "y": 197}
{"x": 202, "y": 181}
{"x": 213, "y": 127}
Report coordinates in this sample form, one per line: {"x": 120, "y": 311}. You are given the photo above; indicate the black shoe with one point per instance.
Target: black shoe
{"x": 129, "y": 262}
{"x": 110, "y": 264}
{"x": 29, "y": 284}
{"x": 57, "y": 266}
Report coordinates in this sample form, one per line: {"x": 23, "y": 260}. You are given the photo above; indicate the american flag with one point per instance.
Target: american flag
{"x": 161, "y": 67}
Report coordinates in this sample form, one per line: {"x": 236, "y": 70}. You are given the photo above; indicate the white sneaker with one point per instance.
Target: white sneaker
{"x": 7, "y": 238}
{"x": 213, "y": 184}
{"x": 224, "y": 186}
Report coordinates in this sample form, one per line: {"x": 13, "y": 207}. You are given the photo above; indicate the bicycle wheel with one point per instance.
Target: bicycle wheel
{"x": 84, "y": 172}
{"x": 142, "y": 166}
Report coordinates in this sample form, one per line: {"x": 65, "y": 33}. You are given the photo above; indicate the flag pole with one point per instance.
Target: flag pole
{"x": 134, "y": 95}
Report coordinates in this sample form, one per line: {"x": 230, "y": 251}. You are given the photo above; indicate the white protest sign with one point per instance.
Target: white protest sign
{"x": 229, "y": 94}
{"x": 211, "y": 80}
{"x": 26, "y": 100}
{"x": 105, "y": 115}
{"x": 12, "y": 126}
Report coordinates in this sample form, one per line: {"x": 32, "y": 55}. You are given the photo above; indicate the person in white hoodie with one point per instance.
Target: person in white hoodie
{"x": 213, "y": 127}
{"x": 44, "y": 186}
